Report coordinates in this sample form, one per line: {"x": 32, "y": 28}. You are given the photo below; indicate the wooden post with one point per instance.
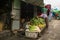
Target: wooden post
{"x": 16, "y": 15}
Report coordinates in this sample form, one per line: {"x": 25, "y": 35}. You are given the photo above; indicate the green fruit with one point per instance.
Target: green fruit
{"x": 32, "y": 28}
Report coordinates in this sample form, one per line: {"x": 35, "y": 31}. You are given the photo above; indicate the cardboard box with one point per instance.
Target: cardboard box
{"x": 1, "y": 26}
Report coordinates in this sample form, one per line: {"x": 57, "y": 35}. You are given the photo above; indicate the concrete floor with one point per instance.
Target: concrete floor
{"x": 53, "y": 33}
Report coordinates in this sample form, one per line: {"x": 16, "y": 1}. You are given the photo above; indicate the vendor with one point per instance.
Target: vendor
{"x": 44, "y": 15}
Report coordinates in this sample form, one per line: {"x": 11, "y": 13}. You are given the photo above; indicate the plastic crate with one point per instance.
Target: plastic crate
{"x": 31, "y": 34}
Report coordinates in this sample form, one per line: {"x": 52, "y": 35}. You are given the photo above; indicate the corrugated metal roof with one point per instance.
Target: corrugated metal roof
{"x": 36, "y": 2}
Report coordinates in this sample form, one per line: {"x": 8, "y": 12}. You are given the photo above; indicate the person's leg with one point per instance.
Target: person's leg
{"x": 49, "y": 17}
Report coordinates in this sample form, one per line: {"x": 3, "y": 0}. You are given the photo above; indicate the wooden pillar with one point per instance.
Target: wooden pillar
{"x": 16, "y": 15}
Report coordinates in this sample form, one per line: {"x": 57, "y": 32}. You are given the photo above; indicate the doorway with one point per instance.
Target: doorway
{"x": 27, "y": 10}
{"x": 5, "y": 13}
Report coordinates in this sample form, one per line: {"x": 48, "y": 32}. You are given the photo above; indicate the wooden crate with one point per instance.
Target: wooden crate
{"x": 31, "y": 34}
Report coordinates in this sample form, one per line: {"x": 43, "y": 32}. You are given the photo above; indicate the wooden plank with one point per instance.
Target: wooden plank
{"x": 1, "y": 26}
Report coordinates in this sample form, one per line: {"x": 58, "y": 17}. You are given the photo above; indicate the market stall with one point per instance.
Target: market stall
{"x": 34, "y": 27}
{"x": 57, "y": 13}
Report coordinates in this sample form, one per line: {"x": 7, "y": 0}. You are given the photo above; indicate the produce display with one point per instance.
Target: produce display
{"x": 37, "y": 24}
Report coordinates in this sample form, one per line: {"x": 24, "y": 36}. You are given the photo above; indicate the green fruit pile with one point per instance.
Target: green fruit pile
{"x": 37, "y": 21}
